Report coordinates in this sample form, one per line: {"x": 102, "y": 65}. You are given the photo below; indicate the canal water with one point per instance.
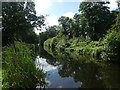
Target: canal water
{"x": 65, "y": 71}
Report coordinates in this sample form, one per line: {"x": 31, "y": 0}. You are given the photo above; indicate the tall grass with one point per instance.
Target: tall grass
{"x": 19, "y": 69}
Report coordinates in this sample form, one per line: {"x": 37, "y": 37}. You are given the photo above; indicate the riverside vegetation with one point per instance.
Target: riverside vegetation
{"x": 94, "y": 32}
{"x": 107, "y": 48}
{"x": 19, "y": 46}
{"x": 19, "y": 70}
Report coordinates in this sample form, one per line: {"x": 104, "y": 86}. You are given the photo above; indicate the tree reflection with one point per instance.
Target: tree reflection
{"x": 90, "y": 74}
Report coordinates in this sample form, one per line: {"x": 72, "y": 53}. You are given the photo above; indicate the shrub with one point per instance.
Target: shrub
{"x": 112, "y": 44}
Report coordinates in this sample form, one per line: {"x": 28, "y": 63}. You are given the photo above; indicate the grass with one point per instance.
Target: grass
{"x": 19, "y": 69}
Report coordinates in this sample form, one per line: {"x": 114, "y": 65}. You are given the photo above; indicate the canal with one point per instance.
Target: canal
{"x": 64, "y": 71}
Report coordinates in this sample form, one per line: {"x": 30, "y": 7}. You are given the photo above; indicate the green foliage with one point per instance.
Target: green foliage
{"x": 49, "y": 33}
{"x": 19, "y": 69}
{"x": 29, "y": 36}
{"x": 18, "y": 21}
{"x": 112, "y": 44}
{"x": 51, "y": 43}
{"x": 88, "y": 32}
{"x": 106, "y": 48}
{"x": 117, "y": 24}
{"x": 95, "y": 19}
{"x": 66, "y": 23}
{"x": 60, "y": 33}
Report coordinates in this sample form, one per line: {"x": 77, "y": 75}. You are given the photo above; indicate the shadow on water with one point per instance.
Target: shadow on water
{"x": 79, "y": 72}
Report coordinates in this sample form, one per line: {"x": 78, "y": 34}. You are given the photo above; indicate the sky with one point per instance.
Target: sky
{"x": 53, "y": 9}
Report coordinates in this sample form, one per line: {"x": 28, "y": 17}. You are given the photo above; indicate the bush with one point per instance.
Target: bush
{"x": 54, "y": 41}
{"x": 19, "y": 69}
{"x": 112, "y": 44}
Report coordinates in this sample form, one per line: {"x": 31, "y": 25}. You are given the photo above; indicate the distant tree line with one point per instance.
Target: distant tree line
{"x": 51, "y": 31}
{"x": 92, "y": 21}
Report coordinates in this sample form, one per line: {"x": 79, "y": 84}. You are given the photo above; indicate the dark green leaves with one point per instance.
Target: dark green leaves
{"x": 19, "y": 18}
{"x": 95, "y": 18}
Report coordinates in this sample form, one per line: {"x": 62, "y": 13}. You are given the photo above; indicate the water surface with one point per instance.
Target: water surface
{"x": 65, "y": 71}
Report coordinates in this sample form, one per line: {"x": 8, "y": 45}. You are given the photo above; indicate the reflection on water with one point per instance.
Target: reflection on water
{"x": 42, "y": 64}
{"x": 64, "y": 71}
{"x": 53, "y": 78}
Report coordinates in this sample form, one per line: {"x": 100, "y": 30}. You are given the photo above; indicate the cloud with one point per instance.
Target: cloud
{"x": 52, "y": 20}
{"x": 43, "y": 29}
{"x": 42, "y": 5}
{"x": 69, "y": 14}
{"x": 42, "y": 64}
{"x": 112, "y": 5}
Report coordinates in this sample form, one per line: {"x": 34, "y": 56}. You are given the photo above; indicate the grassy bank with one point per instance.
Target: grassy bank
{"x": 18, "y": 67}
{"x": 106, "y": 48}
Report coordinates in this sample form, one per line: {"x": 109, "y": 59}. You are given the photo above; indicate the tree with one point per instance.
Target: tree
{"x": 66, "y": 23}
{"x": 95, "y": 18}
{"x": 50, "y": 32}
{"x": 29, "y": 36}
{"x": 77, "y": 31}
{"x": 18, "y": 19}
